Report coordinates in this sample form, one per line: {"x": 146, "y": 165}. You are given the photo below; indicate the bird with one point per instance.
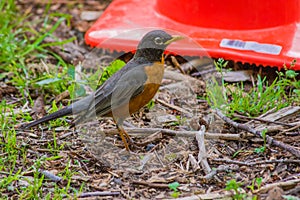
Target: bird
{"x": 126, "y": 91}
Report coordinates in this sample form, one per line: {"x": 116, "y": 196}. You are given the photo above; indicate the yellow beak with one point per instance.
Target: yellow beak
{"x": 174, "y": 38}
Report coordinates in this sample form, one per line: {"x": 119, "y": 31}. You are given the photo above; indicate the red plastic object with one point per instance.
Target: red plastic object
{"x": 261, "y": 32}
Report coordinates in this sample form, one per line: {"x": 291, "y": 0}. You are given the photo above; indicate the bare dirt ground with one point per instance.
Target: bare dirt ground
{"x": 169, "y": 138}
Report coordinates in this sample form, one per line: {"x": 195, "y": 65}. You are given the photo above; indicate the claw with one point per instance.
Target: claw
{"x": 124, "y": 136}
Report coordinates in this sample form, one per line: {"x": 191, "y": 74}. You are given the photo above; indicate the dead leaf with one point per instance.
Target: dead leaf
{"x": 237, "y": 76}
{"x": 39, "y": 107}
{"x": 6, "y": 89}
{"x": 275, "y": 194}
{"x": 166, "y": 118}
{"x": 90, "y": 15}
{"x": 62, "y": 96}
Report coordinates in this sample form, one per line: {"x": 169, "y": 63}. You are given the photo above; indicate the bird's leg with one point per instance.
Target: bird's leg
{"x": 124, "y": 136}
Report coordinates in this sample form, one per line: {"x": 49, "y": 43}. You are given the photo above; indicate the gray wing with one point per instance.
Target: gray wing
{"x": 116, "y": 93}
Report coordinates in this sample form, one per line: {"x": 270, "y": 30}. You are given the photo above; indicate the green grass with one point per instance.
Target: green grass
{"x": 173, "y": 186}
{"x": 20, "y": 43}
{"x": 21, "y": 46}
{"x": 236, "y": 187}
{"x": 262, "y": 97}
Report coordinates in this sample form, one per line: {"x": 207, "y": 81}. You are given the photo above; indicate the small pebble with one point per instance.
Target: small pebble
{"x": 149, "y": 147}
{"x": 90, "y": 15}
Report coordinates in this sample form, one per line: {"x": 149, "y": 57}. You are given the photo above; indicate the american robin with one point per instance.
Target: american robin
{"x": 125, "y": 92}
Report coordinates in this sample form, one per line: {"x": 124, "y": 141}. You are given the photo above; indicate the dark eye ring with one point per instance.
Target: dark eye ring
{"x": 158, "y": 41}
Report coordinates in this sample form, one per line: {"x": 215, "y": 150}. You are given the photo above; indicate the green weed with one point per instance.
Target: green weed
{"x": 256, "y": 183}
{"x": 173, "y": 186}
{"x": 263, "y": 148}
{"x": 108, "y": 71}
{"x": 283, "y": 91}
{"x": 236, "y": 187}
{"x": 151, "y": 104}
{"x": 21, "y": 44}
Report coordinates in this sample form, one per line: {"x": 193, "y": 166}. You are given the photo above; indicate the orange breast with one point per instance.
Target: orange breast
{"x": 154, "y": 77}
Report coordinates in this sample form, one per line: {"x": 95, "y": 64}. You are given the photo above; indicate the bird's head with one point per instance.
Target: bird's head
{"x": 153, "y": 44}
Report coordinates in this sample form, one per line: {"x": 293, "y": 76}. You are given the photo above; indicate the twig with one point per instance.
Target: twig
{"x": 158, "y": 158}
{"x": 220, "y": 168}
{"x": 65, "y": 135}
{"x": 50, "y": 140}
{"x": 3, "y": 154}
{"x": 126, "y": 195}
{"x": 16, "y": 112}
{"x": 172, "y": 106}
{"x": 209, "y": 71}
{"x": 149, "y": 131}
{"x": 29, "y": 134}
{"x": 151, "y": 139}
{"x": 263, "y": 120}
{"x": 292, "y": 133}
{"x": 12, "y": 174}
{"x": 267, "y": 113}
{"x": 283, "y": 113}
{"x": 98, "y": 193}
{"x": 45, "y": 150}
{"x": 145, "y": 159}
{"x": 255, "y": 163}
{"x": 208, "y": 196}
{"x": 194, "y": 162}
{"x": 72, "y": 153}
{"x": 279, "y": 184}
{"x": 154, "y": 185}
{"x": 51, "y": 176}
{"x": 269, "y": 139}
{"x": 290, "y": 129}
{"x": 202, "y": 155}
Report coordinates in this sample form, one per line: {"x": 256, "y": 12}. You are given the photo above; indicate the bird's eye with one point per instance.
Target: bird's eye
{"x": 158, "y": 41}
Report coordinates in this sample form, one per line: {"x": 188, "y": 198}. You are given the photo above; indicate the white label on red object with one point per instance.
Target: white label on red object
{"x": 252, "y": 46}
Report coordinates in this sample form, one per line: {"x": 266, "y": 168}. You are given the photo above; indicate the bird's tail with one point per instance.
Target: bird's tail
{"x": 60, "y": 113}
